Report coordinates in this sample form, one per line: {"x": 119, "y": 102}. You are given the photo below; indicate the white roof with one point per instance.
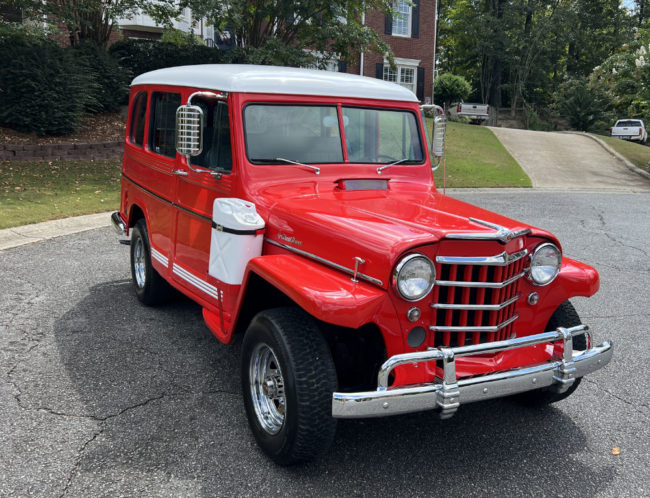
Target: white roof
{"x": 274, "y": 79}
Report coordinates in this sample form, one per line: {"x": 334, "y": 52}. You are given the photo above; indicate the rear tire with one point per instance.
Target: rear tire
{"x": 564, "y": 316}
{"x": 288, "y": 378}
{"x": 150, "y": 287}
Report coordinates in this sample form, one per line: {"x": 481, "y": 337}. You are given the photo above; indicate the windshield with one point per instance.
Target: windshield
{"x": 306, "y": 134}
{"x": 310, "y": 134}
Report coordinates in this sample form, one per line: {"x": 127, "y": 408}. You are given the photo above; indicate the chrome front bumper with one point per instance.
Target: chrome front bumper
{"x": 447, "y": 394}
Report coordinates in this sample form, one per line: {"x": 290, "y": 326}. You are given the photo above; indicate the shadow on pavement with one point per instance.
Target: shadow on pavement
{"x": 172, "y": 419}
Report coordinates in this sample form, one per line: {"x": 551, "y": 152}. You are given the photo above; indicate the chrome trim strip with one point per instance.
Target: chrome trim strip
{"x": 487, "y": 285}
{"x": 473, "y": 328}
{"x": 349, "y": 271}
{"x": 203, "y": 286}
{"x": 502, "y": 234}
{"x": 160, "y": 257}
{"x": 502, "y": 259}
{"x": 476, "y": 307}
{"x": 447, "y": 394}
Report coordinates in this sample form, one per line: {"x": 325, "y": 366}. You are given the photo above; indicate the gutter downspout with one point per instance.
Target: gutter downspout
{"x": 363, "y": 23}
{"x": 435, "y": 42}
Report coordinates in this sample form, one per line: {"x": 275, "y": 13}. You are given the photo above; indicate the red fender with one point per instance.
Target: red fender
{"x": 326, "y": 294}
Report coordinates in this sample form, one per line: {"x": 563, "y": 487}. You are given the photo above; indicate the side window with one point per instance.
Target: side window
{"x": 162, "y": 136}
{"x": 137, "y": 119}
{"x": 217, "y": 151}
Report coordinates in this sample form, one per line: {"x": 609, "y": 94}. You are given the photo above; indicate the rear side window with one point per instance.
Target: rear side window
{"x": 137, "y": 119}
{"x": 162, "y": 137}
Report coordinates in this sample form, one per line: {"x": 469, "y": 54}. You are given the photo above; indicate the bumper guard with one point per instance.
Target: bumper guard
{"x": 445, "y": 395}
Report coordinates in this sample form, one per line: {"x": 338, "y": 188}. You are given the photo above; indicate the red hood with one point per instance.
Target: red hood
{"x": 376, "y": 225}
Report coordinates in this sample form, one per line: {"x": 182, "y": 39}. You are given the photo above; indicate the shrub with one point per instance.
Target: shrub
{"x": 448, "y": 88}
{"x": 584, "y": 107}
{"x": 110, "y": 88}
{"x": 140, "y": 56}
{"x": 43, "y": 89}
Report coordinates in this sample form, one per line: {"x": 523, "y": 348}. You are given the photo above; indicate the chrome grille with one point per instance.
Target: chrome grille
{"x": 474, "y": 299}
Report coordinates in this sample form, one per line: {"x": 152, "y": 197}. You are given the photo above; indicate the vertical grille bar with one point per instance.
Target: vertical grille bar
{"x": 480, "y": 298}
{"x": 462, "y": 320}
{"x": 451, "y": 292}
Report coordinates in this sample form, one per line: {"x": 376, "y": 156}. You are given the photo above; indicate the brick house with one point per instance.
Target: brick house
{"x": 412, "y": 39}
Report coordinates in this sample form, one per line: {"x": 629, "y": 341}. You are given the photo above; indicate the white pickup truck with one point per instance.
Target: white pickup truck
{"x": 629, "y": 129}
{"x": 475, "y": 112}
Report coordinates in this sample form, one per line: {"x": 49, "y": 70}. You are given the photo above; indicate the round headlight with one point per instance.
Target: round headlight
{"x": 545, "y": 264}
{"x": 414, "y": 277}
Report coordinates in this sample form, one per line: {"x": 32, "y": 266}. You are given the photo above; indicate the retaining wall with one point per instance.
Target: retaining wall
{"x": 53, "y": 152}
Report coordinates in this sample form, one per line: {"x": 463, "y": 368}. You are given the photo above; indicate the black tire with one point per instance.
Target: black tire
{"x": 564, "y": 316}
{"x": 298, "y": 404}
{"x": 150, "y": 287}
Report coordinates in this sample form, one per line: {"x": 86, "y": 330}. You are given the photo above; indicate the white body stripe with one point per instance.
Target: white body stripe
{"x": 160, "y": 257}
{"x": 195, "y": 281}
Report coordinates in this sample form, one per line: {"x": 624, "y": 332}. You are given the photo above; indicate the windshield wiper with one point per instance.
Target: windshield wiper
{"x": 382, "y": 168}
{"x": 313, "y": 168}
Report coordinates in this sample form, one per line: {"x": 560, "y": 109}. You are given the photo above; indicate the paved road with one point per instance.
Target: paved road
{"x": 103, "y": 397}
{"x": 568, "y": 161}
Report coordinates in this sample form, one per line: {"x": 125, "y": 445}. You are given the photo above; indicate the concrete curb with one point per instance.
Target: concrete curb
{"x": 617, "y": 155}
{"x": 38, "y": 232}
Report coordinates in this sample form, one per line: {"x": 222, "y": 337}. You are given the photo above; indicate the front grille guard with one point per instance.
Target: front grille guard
{"x": 445, "y": 394}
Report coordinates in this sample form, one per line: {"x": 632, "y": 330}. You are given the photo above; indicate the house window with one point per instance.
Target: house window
{"x": 404, "y": 76}
{"x": 402, "y": 20}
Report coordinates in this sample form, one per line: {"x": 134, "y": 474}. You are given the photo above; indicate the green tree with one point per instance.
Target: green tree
{"x": 84, "y": 20}
{"x": 584, "y": 107}
{"x": 451, "y": 88}
{"x": 278, "y": 31}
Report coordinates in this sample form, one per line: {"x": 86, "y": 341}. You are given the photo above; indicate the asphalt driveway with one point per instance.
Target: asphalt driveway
{"x": 101, "y": 396}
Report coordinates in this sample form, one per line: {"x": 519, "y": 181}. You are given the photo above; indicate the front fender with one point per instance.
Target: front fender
{"x": 324, "y": 293}
{"x": 578, "y": 279}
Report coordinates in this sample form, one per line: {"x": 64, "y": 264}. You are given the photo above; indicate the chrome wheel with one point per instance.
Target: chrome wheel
{"x": 139, "y": 262}
{"x": 267, "y": 389}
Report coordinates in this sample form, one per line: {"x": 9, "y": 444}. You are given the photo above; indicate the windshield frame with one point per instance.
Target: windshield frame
{"x": 338, "y": 105}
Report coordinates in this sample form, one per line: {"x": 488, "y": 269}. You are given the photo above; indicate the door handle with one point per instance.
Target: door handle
{"x": 180, "y": 172}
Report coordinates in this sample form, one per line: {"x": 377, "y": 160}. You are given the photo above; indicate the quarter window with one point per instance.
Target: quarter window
{"x": 137, "y": 119}
{"x": 402, "y": 21}
{"x": 163, "y": 123}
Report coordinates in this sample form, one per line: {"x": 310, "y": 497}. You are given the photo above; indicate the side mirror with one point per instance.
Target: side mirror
{"x": 438, "y": 138}
{"x": 189, "y": 130}
{"x": 437, "y": 143}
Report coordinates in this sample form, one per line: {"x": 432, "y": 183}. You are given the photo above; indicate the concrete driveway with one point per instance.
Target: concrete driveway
{"x": 567, "y": 161}
{"x": 100, "y": 396}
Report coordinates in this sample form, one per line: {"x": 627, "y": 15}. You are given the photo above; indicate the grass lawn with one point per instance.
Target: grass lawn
{"x": 31, "y": 192}
{"x": 637, "y": 154}
{"x": 476, "y": 158}
{"x": 38, "y": 191}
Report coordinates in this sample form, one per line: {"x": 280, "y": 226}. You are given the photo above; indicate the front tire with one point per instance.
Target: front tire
{"x": 150, "y": 287}
{"x": 288, "y": 378}
{"x": 564, "y": 316}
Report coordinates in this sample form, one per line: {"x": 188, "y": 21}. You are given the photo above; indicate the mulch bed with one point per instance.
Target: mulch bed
{"x": 108, "y": 127}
